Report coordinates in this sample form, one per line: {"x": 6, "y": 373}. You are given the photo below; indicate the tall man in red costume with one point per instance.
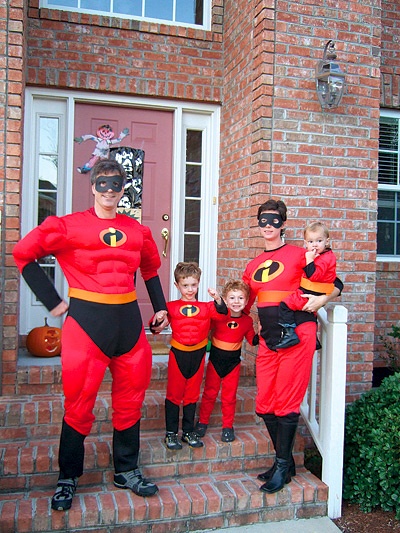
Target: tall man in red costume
{"x": 99, "y": 252}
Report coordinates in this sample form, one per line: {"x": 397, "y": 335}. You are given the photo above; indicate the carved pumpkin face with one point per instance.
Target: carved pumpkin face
{"x": 44, "y": 341}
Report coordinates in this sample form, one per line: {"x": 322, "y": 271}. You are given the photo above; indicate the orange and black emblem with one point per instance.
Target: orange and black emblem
{"x": 112, "y": 237}
{"x": 267, "y": 271}
{"x": 189, "y": 310}
{"x": 232, "y": 324}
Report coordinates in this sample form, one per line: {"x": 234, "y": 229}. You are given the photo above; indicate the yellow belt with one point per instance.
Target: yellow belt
{"x": 229, "y": 346}
{"x": 101, "y": 298}
{"x": 316, "y": 286}
{"x": 186, "y": 348}
{"x": 272, "y": 296}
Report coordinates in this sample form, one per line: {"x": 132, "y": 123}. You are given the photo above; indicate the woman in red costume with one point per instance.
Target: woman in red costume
{"x": 99, "y": 252}
{"x": 282, "y": 374}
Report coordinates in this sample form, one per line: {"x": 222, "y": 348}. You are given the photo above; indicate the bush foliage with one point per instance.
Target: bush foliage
{"x": 372, "y": 449}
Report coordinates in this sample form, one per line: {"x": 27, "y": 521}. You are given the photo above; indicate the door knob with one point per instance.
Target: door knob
{"x": 165, "y": 236}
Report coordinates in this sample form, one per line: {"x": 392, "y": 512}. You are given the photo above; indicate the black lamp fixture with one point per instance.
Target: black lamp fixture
{"x": 330, "y": 79}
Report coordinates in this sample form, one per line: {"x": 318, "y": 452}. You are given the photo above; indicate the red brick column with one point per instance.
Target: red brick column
{"x": 11, "y": 83}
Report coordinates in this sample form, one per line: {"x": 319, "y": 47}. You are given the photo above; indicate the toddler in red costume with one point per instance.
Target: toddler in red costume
{"x": 318, "y": 278}
{"x": 99, "y": 252}
{"x": 223, "y": 368}
{"x": 190, "y": 323}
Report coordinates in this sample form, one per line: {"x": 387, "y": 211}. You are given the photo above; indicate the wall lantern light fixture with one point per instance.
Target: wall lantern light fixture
{"x": 329, "y": 78}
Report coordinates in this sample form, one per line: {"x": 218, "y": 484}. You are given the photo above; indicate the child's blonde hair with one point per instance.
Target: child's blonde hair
{"x": 315, "y": 226}
{"x": 186, "y": 270}
{"x": 235, "y": 285}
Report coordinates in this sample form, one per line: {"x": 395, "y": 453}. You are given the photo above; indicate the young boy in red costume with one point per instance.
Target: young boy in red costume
{"x": 99, "y": 252}
{"x": 223, "y": 368}
{"x": 319, "y": 275}
{"x": 190, "y": 323}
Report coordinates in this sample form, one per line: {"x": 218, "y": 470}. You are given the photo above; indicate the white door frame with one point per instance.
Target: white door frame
{"x": 186, "y": 115}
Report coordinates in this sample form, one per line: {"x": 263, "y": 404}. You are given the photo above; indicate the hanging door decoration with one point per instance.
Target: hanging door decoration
{"x": 132, "y": 159}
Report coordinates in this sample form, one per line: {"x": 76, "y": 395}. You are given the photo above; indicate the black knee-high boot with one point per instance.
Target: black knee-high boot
{"x": 189, "y": 412}
{"x": 126, "y": 445}
{"x": 271, "y": 422}
{"x": 285, "y": 437}
{"x": 71, "y": 452}
{"x": 171, "y": 417}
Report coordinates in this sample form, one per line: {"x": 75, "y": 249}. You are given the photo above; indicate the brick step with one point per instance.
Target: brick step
{"x": 44, "y": 377}
{"x": 33, "y": 464}
{"x": 40, "y": 415}
{"x": 185, "y": 503}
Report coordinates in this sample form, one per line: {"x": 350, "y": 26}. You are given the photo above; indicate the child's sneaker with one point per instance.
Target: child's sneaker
{"x": 134, "y": 481}
{"x": 200, "y": 429}
{"x": 171, "y": 440}
{"x": 62, "y": 499}
{"x": 192, "y": 439}
{"x": 228, "y": 435}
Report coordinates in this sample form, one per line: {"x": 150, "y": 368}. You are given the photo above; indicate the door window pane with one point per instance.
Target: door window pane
{"x": 47, "y": 181}
{"x": 193, "y": 177}
{"x": 192, "y": 248}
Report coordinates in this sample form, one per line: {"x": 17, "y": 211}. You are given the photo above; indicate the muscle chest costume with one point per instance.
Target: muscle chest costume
{"x": 223, "y": 368}
{"x": 103, "y": 328}
{"x": 282, "y": 376}
{"x": 190, "y": 323}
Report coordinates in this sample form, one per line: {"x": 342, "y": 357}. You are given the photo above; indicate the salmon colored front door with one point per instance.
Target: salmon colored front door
{"x": 151, "y": 131}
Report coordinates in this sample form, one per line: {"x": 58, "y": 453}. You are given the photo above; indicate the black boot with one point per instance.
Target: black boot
{"x": 285, "y": 437}
{"x": 271, "y": 421}
{"x": 71, "y": 453}
{"x": 171, "y": 417}
{"x": 70, "y": 459}
{"x": 289, "y": 337}
{"x": 126, "y": 445}
{"x": 188, "y": 415}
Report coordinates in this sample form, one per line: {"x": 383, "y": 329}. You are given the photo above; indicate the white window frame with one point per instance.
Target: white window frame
{"x": 207, "y": 6}
{"x": 383, "y": 187}
{"x": 186, "y": 116}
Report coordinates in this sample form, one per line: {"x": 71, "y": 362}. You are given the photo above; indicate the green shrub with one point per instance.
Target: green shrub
{"x": 372, "y": 449}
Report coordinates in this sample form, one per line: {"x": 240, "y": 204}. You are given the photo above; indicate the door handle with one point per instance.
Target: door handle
{"x": 165, "y": 236}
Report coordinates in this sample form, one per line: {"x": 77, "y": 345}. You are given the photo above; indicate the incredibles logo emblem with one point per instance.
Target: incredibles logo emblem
{"x": 268, "y": 271}
{"x": 189, "y": 310}
{"x": 232, "y": 325}
{"x": 113, "y": 237}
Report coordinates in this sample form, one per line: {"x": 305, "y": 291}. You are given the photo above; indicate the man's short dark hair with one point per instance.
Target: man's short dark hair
{"x": 107, "y": 166}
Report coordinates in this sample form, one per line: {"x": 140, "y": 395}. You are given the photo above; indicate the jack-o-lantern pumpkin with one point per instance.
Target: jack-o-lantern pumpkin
{"x": 44, "y": 341}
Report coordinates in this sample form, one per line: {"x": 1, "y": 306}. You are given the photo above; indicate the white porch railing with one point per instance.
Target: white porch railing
{"x": 323, "y": 407}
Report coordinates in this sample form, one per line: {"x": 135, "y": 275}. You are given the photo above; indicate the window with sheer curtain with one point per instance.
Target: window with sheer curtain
{"x": 180, "y": 12}
{"x": 388, "y": 238}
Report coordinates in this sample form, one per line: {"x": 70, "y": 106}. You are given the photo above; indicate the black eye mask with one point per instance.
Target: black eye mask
{"x": 104, "y": 183}
{"x": 272, "y": 219}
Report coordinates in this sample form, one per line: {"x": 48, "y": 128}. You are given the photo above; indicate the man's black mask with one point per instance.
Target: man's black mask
{"x": 272, "y": 219}
{"x": 104, "y": 183}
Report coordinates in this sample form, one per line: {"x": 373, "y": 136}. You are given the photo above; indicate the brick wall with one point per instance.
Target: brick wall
{"x": 122, "y": 56}
{"x": 323, "y": 164}
{"x": 388, "y": 273}
{"x": 11, "y": 91}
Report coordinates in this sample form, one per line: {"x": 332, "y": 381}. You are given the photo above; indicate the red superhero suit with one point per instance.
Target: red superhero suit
{"x": 282, "y": 376}
{"x": 223, "y": 368}
{"x": 99, "y": 258}
{"x": 318, "y": 278}
{"x": 190, "y": 324}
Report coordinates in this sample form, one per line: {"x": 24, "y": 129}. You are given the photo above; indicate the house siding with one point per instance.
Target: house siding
{"x": 258, "y": 62}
